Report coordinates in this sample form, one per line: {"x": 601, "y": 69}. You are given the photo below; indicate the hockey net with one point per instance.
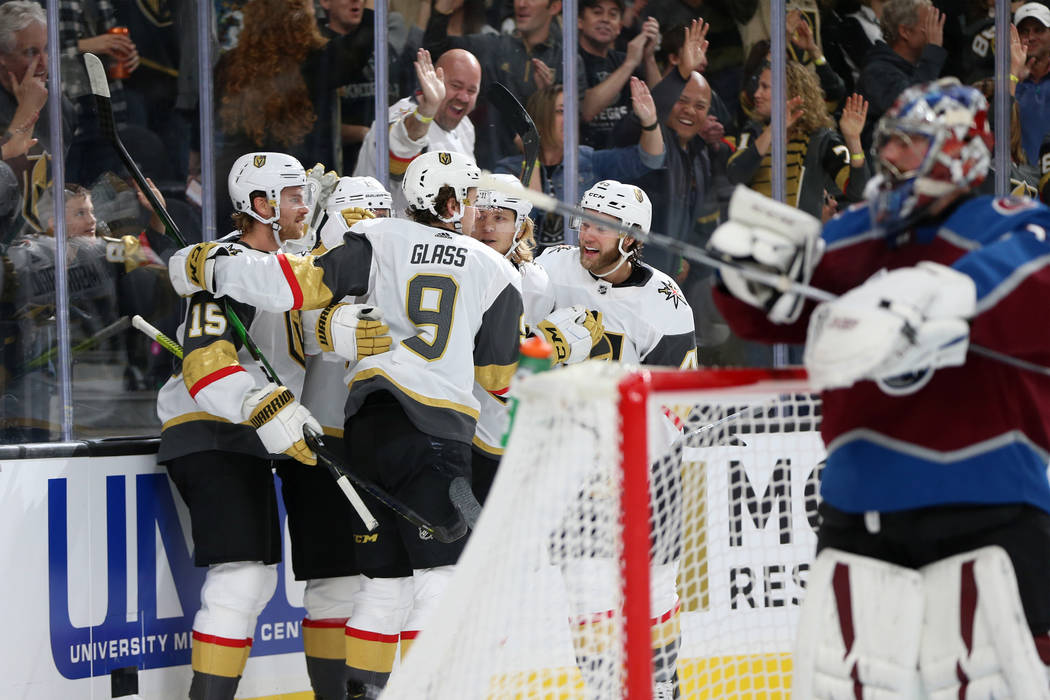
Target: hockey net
{"x": 635, "y": 513}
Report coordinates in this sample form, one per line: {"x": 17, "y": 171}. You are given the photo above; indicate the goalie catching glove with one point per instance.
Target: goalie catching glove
{"x": 192, "y": 269}
{"x": 907, "y": 320}
{"x": 353, "y": 331}
{"x": 278, "y": 419}
{"x": 769, "y": 237}
{"x": 572, "y": 332}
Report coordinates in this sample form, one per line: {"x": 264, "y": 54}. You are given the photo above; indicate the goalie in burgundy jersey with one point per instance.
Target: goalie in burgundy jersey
{"x": 646, "y": 320}
{"x": 454, "y": 310}
{"x": 223, "y": 425}
{"x": 934, "y": 542}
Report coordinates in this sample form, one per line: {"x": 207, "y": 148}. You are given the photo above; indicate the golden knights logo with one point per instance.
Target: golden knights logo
{"x": 671, "y": 293}
{"x": 444, "y": 158}
{"x": 638, "y": 195}
{"x": 259, "y": 161}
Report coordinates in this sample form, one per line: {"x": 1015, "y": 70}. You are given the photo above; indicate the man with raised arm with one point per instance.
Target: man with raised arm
{"x": 934, "y": 538}
{"x": 454, "y": 310}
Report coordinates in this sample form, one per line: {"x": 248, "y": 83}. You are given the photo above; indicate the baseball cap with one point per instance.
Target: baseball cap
{"x": 1035, "y": 10}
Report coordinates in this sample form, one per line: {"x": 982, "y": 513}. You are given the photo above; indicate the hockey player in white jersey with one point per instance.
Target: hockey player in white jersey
{"x": 503, "y": 224}
{"x": 222, "y": 425}
{"x": 324, "y": 394}
{"x": 648, "y": 321}
{"x": 454, "y": 309}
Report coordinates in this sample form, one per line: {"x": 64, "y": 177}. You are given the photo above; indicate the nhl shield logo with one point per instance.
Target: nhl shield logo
{"x": 444, "y": 158}
{"x": 259, "y": 161}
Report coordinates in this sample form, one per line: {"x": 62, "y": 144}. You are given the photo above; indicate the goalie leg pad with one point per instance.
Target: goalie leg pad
{"x": 976, "y": 642}
{"x": 859, "y": 628}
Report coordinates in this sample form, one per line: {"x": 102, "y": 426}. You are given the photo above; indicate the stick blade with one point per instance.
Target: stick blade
{"x": 96, "y": 75}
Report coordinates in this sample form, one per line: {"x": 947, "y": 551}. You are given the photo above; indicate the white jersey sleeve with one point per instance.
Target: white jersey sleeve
{"x": 537, "y": 293}
{"x": 647, "y": 319}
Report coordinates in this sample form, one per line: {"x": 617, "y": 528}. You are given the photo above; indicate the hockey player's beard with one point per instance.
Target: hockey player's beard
{"x": 600, "y": 263}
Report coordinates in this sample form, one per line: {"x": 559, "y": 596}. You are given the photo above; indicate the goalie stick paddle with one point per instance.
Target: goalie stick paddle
{"x": 342, "y": 476}
{"x": 781, "y": 283}
{"x": 519, "y": 120}
{"x": 100, "y": 88}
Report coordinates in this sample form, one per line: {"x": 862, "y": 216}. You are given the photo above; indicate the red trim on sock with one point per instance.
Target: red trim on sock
{"x": 371, "y": 636}
{"x": 325, "y": 623}
{"x": 221, "y": 641}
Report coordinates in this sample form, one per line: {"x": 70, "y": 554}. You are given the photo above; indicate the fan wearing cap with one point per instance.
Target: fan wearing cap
{"x": 1031, "y": 86}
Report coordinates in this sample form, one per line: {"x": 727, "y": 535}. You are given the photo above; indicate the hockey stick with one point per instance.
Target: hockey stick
{"x": 100, "y": 88}
{"x": 781, "y": 283}
{"x": 343, "y": 476}
{"x": 336, "y": 471}
{"x": 42, "y": 359}
{"x": 519, "y": 120}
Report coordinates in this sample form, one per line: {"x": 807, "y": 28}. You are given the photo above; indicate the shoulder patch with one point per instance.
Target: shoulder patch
{"x": 671, "y": 293}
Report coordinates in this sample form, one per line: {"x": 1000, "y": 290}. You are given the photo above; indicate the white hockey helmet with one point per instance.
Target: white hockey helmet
{"x": 268, "y": 173}
{"x": 504, "y": 200}
{"x": 629, "y": 204}
{"x": 365, "y": 192}
{"x": 431, "y": 171}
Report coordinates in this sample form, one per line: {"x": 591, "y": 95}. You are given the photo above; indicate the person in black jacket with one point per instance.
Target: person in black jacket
{"x": 913, "y": 53}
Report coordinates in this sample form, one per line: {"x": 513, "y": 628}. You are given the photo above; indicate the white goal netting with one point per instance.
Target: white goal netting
{"x": 677, "y": 572}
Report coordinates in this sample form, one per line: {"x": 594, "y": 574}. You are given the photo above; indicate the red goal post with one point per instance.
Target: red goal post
{"x": 635, "y": 513}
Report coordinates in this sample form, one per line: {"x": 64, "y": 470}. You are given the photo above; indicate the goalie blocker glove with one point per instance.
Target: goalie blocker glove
{"x": 770, "y": 237}
{"x": 572, "y": 332}
{"x": 278, "y": 419}
{"x": 909, "y": 320}
{"x": 352, "y": 331}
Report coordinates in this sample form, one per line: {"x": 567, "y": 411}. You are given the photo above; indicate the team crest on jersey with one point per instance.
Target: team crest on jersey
{"x": 444, "y": 158}
{"x": 1008, "y": 206}
{"x": 259, "y": 161}
{"x": 671, "y": 294}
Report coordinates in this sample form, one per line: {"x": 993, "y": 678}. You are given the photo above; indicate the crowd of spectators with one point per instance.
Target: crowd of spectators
{"x": 673, "y": 95}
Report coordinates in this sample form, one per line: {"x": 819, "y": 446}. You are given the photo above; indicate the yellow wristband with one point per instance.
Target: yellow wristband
{"x": 421, "y": 119}
{"x": 820, "y": 61}
{"x": 856, "y": 156}
{"x": 1014, "y": 78}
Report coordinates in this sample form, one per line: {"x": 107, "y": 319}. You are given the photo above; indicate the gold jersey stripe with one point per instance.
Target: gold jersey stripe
{"x": 204, "y": 361}
{"x": 417, "y": 397}
{"x": 194, "y": 416}
{"x": 316, "y": 294}
{"x": 495, "y": 377}
{"x": 487, "y": 448}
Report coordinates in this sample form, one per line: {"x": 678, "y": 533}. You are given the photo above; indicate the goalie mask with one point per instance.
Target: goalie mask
{"x": 628, "y": 204}
{"x": 431, "y": 171}
{"x": 953, "y": 119}
{"x": 495, "y": 199}
{"x": 269, "y": 173}
{"x": 364, "y": 192}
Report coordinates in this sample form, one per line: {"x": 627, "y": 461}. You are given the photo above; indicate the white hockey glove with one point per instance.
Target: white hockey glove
{"x": 192, "y": 269}
{"x": 353, "y": 331}
{"x": 898, "y": 322}
{"x": 323, "y": 184}
{"x": 572, "y": 332}
{"x": 278, "y": 418}
{"x": 766, "y": 235}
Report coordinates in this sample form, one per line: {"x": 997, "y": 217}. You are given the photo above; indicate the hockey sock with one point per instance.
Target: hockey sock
{"x": 323, "y": 642}
{"x": 217, "y": 664}
{"x": 369, "y": 660}
{"x": 666, "y": 634}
